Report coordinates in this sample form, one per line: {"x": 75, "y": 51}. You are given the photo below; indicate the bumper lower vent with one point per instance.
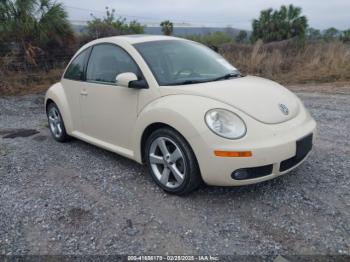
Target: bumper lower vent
{"x": 303, "y": 147}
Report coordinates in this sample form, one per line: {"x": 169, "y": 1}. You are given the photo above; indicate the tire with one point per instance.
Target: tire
{"x": 56, "y": 124}
{"x": 175, "y": 168}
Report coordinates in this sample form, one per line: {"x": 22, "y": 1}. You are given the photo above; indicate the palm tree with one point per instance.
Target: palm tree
{"x": 280, "y": 24}
{"x": 33, "y": 24}
{"x": 296, "y": 23}
{"x": 167, "y": 27}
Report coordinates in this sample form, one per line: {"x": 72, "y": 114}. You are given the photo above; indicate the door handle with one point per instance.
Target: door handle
{"x": 83, "y": 93}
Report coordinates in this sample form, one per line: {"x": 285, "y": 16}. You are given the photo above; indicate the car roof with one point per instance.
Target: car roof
{"x": 134, "y": 39}
{"x": 128, "y": 39}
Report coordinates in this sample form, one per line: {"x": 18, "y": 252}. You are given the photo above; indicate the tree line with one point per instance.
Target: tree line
{"x": 36, "y": 27}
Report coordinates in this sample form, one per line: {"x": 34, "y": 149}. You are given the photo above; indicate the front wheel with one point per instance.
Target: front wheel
{"x": 171, "y": 162}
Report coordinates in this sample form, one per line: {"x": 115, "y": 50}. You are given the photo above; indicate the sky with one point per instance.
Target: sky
{"x": 239, "y": 14}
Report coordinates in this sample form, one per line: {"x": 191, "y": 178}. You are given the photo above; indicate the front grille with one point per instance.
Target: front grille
{"x": 303, "y": 147}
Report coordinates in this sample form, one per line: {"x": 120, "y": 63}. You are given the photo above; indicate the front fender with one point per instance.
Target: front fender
{"x": 185, "y": 113}
{"x": 57, "y": 95}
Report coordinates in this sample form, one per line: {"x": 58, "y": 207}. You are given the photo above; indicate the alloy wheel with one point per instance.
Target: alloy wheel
{"x": 167, "y": 162}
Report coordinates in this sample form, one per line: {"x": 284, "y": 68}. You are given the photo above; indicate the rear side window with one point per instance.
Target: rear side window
{"x": 107, "y": 61}
{"x": 75, "y": 70}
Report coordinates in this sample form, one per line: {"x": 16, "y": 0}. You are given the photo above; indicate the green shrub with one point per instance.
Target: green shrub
{"x": 111, "y": 25}
{"x": 215, "y": 39}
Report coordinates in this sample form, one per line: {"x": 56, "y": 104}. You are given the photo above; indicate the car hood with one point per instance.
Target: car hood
{"x": 258, "y": 97}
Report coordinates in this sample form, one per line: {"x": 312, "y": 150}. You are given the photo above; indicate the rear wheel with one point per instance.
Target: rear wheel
{"x": 171, "y": 162}
{"x": 56, "y": 124}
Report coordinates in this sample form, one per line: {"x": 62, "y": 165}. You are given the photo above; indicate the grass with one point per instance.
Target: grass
{"x": 20, "y": 83}
{"x": 287, "y": 62}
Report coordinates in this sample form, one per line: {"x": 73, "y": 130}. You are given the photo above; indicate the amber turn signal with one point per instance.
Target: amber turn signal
{"x": 233, "y": 153}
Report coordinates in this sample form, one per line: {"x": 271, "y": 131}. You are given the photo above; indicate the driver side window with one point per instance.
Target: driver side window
{"x": 107, "y": 61}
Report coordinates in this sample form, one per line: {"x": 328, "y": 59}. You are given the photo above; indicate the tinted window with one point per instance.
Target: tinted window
{"x": 75, "y": 70}
{"x": 107, "y": 61}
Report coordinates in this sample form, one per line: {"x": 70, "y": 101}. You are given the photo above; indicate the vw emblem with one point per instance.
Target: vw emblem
{"x": 284, "y": 109}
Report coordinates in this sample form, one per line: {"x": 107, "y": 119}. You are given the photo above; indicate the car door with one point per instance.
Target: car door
{"x": 109, "y": 111}
{"x": 73, "y": 82}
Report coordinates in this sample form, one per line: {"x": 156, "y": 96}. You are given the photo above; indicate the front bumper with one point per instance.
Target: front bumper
{"x": 271, "y": 145}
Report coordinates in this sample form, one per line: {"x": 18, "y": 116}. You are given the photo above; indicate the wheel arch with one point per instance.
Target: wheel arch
{"x": 55, "y": 94}
{"x": 47, "y": 102}
{"x": 145, "y": 128}
{"x": 157, "y": 125}
{"x": 147, "y": 132}
{"x": 173, "y": 111}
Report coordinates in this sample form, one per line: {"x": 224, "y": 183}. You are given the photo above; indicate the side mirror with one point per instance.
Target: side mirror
{"x": 130, "y": 80}
{"x": 124, "y": 79}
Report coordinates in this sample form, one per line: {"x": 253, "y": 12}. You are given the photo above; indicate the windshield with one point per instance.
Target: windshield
{"x": 179, "y": 62}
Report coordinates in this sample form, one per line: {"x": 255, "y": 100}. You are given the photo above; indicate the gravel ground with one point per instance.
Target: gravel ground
{"x": 75, "y": 198}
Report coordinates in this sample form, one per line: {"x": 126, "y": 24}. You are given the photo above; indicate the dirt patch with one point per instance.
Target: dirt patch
{"x": 20, "y": 132}
{"x": 78, "y": 216}
{"x": 40, "y": 138}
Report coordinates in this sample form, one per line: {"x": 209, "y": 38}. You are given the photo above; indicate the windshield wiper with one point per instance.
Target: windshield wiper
{"x": 187, "y": 82}
{"x": 196, "y": 81}
{"x": 227, "y": 76}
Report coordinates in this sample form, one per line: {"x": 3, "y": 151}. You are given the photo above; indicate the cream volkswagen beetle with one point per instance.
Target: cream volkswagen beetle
{"x": 182, "y": 109}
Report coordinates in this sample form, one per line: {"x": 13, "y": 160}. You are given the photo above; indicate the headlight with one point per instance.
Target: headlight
{"x": 225, "y": 123}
